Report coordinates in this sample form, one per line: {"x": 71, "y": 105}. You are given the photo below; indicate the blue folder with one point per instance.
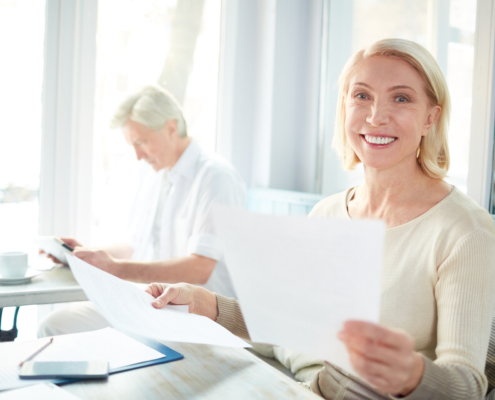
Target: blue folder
{"x": 170, "y": 355}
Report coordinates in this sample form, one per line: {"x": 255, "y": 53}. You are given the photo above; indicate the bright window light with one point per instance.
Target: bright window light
{"x": 22, "y": 31}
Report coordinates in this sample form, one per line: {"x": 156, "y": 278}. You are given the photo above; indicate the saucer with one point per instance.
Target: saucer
{"x": 31, "y": 273}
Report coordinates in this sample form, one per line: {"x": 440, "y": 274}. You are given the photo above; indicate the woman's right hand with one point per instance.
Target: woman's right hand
{"x": 71, "y": 242}
{"x": 200, "y": 300}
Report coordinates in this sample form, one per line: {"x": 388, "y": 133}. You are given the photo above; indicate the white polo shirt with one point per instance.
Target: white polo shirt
{"x": 184, "y": 227}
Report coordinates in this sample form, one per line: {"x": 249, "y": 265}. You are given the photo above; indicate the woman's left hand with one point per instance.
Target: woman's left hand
{"x": 200, "y": 300}
{"x": 383, "y": 357}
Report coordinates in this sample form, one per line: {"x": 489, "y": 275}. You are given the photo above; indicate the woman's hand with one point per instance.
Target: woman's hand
{"x": 383, "y": 357}
{"x": 200, "y": 301}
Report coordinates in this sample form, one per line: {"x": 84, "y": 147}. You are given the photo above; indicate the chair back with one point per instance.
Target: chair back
{"x": 281, "y": 202}
{"x": 490, "y": 358}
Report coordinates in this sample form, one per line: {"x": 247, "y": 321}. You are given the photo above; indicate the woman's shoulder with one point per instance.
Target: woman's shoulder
{"x": 333, "y": 206}
{"x": 460, "y": 213}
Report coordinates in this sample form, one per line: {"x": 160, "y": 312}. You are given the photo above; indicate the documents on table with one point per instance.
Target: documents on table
{"x": 41, "y": 391}
{"x": 104, "y": 344}
{"x": 298, "y": 279}
{"x": 129, "y": 309}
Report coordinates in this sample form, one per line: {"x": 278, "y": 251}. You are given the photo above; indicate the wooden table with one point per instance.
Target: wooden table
{"x": 206, "y": 372}
{"x": 55, "y": 286}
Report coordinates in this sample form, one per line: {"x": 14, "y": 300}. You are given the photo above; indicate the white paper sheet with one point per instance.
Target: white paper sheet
{"x": 104, "y": 344}
{"x": 45, "y": 391}
{"x": 129, "y": 309}
{"x": 298, "y": 279}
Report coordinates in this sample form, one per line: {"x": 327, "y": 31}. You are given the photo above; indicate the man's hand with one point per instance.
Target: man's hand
{"x": 98, "y": 258}
{"x": 200, "y": 300}
{"x": 71, "y": 242}
{"x": 383, "y": 357}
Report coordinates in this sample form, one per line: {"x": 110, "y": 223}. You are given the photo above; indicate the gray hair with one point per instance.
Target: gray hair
{"x": 151, "y": 107}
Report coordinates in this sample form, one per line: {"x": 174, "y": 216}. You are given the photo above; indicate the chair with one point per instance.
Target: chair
{"x": 490, "y": 364}
{"x": 490, "y": 360}
{"x": 10, "y": 334}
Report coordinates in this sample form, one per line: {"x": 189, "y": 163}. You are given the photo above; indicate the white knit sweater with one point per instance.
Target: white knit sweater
{"x": 438, "y": 284}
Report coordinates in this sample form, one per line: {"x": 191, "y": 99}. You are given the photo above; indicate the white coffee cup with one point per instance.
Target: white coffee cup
{"x": 13, "y": 264}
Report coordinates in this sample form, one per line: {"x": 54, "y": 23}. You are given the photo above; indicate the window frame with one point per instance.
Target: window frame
{"x": 480, "y": 174}
{"x": 67, "y": 115}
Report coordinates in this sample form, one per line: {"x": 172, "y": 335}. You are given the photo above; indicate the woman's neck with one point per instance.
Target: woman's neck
{"x": 396, "y": 196}
{"x": 393, "y": 186}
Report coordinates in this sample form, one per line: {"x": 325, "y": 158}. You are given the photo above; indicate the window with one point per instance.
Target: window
{"x": 22, "y": 25}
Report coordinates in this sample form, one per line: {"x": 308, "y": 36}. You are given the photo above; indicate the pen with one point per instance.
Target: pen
{"x": 37, "y": 352}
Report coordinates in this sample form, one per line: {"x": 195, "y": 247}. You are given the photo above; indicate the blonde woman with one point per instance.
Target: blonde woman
{"x": 438, "y": 282}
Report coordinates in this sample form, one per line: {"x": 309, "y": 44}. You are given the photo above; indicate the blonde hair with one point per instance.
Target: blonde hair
{"x": 151, "y": 107}
{"x": 433, "y": 152}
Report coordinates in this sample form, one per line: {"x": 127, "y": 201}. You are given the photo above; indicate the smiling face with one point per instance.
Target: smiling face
{"x": 157, "y": 148}
{"x": 387, "y": 111}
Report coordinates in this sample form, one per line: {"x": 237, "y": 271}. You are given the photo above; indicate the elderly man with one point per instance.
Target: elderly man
{"x": 171, "y": 237}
